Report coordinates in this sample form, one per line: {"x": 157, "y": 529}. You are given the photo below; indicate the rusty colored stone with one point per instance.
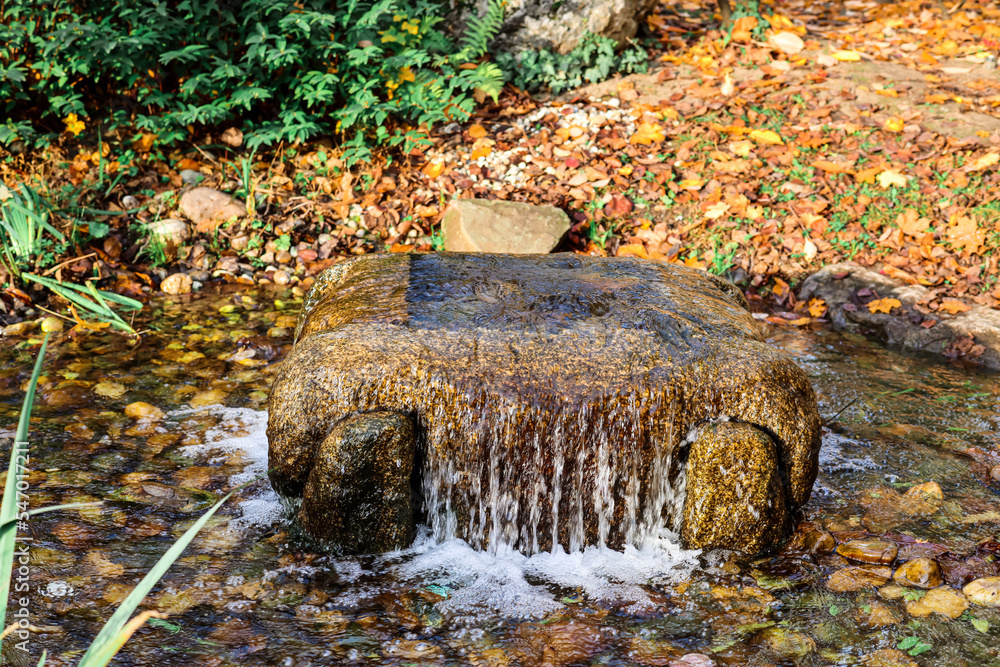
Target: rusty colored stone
{"x": 869, "y": 551}
{"x": 984, "y": 592}
{"x": 552, "y": 395}
{"x": 919, "y": 573}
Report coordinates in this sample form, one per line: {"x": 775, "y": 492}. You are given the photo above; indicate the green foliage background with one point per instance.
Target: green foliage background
{"x": 284, "y": 70}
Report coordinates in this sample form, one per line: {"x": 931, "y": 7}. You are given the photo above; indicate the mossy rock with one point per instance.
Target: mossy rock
{"x": 552, "y": 398}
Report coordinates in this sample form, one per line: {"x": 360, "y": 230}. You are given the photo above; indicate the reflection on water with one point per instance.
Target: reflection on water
{"x": 251, "y": 591}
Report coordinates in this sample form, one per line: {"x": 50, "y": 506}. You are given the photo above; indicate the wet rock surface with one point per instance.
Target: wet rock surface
{"x": 538, "y": 24}
{"x": 553, "y": 395}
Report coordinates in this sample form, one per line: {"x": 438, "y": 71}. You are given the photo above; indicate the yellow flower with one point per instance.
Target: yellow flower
{"x": 73, "y": 125}
{"x": 412, "y": 28}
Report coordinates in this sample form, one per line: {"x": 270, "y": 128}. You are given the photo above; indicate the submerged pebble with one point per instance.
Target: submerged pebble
{"x": 919, "y": 573}
{"x": 985, "y": 591}
{"x": 869, "y": 551}
{"x": 944, "y": 600}
{"x": 856, "y": 578}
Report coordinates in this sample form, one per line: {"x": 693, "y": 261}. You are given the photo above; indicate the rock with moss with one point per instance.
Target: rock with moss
{"x": 537, "y": 400}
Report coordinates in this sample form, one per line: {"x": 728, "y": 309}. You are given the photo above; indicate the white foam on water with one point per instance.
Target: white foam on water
{"x": 241, "y": 431}
{"x": 499, "y": 583}
{"x": 508, "y": 584}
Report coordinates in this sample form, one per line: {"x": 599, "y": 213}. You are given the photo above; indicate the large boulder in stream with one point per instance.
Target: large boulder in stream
{"x": 535, "y": 400}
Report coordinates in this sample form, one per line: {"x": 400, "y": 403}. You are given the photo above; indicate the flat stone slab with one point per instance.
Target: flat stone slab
{"x": 552, "y": 394}
{"x": 481, "y": 225}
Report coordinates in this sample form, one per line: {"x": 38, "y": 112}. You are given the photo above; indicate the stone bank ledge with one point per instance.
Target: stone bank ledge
{"x": 848, "y": 289}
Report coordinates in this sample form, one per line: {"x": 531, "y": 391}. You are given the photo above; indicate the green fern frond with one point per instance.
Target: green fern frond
{"x": 481, "y": 31}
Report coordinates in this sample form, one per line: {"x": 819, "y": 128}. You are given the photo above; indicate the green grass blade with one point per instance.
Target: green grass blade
{"x": 11, "y": 494}
{"x": 9, "y": 523}
{"x": 41, "y": 661}
{"x": 106, "y": 645}
{"x": 77, "y": 295}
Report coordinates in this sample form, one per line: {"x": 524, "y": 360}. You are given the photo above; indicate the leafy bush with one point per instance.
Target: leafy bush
{"x": 287, "y": 69}
{"x": 594, "y": 59}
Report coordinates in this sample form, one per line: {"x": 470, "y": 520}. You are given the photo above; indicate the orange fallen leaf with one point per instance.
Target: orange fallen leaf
{"x": 186, "y": 163}
{"x": 817, "y": 307}
{"x": 829, "y": 167}
{"x": 800, "y": 321}
{"x": 780, "y": 288}
{"x": 964, "y": 233}
{"x": 694, "y": 263}
{"x": 482, "y": 148}
{"x": 887, "y": 92}
{"x": 433, "y": 169}
{"x": 953, "y": 306}
{"x": 647, "y": 133}
{"x": 741, "y": 148}
{"x": 743, "y": 28}
{"x": 633, "y": 250}
{"x": 883, "y": 305}
{"x": 766, "y": 137}
{"x": 477, "y": 131}
{"x": 911, "y": 223}
{"x": 399, "y": 247}
{"x": 867, "y": 175}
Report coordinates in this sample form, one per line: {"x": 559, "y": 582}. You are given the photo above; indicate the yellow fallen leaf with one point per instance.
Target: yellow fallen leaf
{"x": 755, "y": 212}
{"x": 891, "y": 177}
{"x": 983, "y": 162}
{"x": 477, "y": 131}
{"x": 766, "y": 137}
{"x": 647, "y": 133}
{"x": 741, "y": 148}
{"x": 964, "y": 233}
{"x": 716, "y": 210}
{"x": 887, "y": 92}
{"x": 883, "y": 305}
{"x": 953, "y": 306}
{"x": 694, "y": 263}
{"x": 894, "y": 124}
{"x": 847, "y": 56}
{"x": 817, "y": 307}
{"x": 691, "y": 184}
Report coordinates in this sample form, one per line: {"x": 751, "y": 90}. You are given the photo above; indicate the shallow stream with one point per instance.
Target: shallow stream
{"x": 251, "y": 591}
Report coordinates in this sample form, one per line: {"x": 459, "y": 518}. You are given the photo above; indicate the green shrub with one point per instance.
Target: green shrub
{"x": 372, "y": 70}
{"x": 594, "y": 59}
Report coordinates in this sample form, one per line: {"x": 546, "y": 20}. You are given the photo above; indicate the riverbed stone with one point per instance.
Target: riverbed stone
{"x": 552, "y": 396}
{"x": 856, "y": 578}
{"x": 869, "y": 551}
{"x": 944, "y": 600}
{"x": 209, "y": 208}
{"x": 984, "y": 592}
{"x": 378, "y": 447}
{"x": 918, "y": 573}
{"x": 482, "y": 225}
{"x": 975, "y": 330}
{"x": 733, "y": 460}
